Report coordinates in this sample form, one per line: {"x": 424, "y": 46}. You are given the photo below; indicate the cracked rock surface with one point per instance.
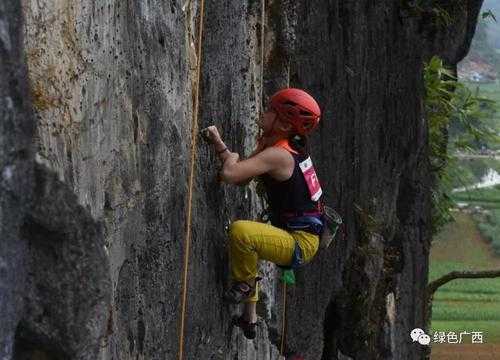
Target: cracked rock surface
{"x": 92, "y": 250}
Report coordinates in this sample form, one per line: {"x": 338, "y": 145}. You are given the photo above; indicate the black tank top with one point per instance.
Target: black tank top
{"x": 290, "y": 197}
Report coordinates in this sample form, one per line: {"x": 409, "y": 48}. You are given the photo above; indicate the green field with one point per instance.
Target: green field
{"x": 487, "y": 222}
{"x": 488, "y": 90}
{"x": 465, "y": 172}
{"x": 489, "y": 196}
{"x": 469, "y": 304}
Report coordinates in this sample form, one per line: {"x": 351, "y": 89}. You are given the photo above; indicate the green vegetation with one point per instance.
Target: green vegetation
{"x": 465, "y": 304}
{"x": 484, "y": 205}
{"x": 487, "y": 90}
{"x": 432, "y": 10}
{"x": 465, "y": 310}
{"x": 466, "y": 172}
{"x": 489, "y": 328}
{"x": 488, "y": 14}
{"x": 468, "y": 119}
{"x": 454, "y": 114}
{"x": 487, "y": 119}
{"x": 439, "y": 86}
{"x": 490, "y": 229}
{"x": 461, "y": 291}
{"x": 489, "y": 194}
{"x": 488, "y": 221}
{"x": 474, "y": 122}
{"x": 489, "y": 225}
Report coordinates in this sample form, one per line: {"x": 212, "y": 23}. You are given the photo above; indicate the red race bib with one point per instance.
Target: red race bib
{"x": 311, "y": 179}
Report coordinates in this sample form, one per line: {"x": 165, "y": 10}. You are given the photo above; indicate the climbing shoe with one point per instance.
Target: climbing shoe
{"x": 240, "y": 291}
{"x": 249, "y": 329}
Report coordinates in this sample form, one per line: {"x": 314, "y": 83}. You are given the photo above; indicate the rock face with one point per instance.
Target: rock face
{"x": 54, "y": 272}
{"x": 67, "y": 300}
{"x": 16, "y": 176}
{"x": 113, "y": 85}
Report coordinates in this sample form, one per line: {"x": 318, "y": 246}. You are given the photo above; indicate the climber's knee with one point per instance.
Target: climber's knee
{"x": 241, "y": 236}
{"x": 237, "y": 230}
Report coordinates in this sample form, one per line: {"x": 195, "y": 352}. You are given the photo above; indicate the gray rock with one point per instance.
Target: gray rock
{"x": 113, "y": 85}
{"x": 16, "y": 174}
{"x": 67, "y": 301}
{"x": 54, "y": 275}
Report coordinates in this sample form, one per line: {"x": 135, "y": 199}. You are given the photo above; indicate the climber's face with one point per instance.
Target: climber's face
{"x": 267, "y": 121}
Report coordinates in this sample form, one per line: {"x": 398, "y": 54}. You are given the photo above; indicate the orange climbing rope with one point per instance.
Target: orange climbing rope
{"x": 262, "y": 39}
{"x": 262, "y": 56}
{"x": 194, "y": 136}
{"x": 283, "y": 327}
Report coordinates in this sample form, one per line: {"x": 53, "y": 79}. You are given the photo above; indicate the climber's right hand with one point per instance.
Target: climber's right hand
{"x": 211, "y": 134}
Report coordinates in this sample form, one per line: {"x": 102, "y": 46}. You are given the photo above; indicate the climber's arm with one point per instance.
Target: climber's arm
{"x": 275, "y": 161}
{"x": 257, "y": 150}
{"x": 271, "y": 160}
{"x": 244, "y": 182}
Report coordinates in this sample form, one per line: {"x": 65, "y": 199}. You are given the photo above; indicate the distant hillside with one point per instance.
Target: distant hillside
{"x": 477, "y": 68}
{"x": 482, "y": 64}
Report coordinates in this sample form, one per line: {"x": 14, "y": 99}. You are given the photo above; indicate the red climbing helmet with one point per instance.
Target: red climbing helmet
{"x": 298, "y": 108}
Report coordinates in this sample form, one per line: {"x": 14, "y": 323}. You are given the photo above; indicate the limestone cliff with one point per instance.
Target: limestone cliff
{"x": 113, "y": 84}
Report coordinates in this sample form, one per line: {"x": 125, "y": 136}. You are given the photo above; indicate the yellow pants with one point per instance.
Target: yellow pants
{"x": 251, "y": 241}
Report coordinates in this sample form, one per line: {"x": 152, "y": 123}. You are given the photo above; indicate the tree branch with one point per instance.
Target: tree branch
{"x": 434, "y": 285}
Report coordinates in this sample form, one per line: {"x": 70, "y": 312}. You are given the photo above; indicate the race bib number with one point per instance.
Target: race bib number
{"x": 311, "y": 179}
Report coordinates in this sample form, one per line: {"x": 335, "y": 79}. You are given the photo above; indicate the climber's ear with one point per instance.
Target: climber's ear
{"x": 285, "y": 127}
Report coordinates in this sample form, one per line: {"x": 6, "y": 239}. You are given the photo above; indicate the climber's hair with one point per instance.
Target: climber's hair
{"x": 299, "y": 143}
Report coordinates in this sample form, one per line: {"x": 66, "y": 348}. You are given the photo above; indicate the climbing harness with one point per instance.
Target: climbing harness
{"x": 310, "y": 223}
{"x": 194, "y": 135}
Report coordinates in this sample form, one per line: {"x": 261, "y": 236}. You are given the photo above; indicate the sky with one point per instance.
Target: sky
{"x": 493, "y": 28}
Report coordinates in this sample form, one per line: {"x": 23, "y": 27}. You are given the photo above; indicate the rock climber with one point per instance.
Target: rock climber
{"x": 282, "y": 163}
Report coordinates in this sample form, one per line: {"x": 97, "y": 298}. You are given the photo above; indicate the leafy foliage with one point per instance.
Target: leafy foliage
{"x": 431, "y": 10}
{"x": 488, "y": 14}
{"x": 449, "y": 103}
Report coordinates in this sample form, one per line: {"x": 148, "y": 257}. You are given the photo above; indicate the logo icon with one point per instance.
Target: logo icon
{"x": 418, "y": 335}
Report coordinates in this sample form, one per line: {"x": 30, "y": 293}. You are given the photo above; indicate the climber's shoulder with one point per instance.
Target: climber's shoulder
{"x": 275, "y": 161}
